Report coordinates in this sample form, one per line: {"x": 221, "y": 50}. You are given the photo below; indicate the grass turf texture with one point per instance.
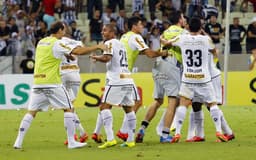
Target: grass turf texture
{"x": 44, "y": 140}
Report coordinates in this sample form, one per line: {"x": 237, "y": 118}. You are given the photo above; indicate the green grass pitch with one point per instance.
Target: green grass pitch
{"x": 44, "y": 139}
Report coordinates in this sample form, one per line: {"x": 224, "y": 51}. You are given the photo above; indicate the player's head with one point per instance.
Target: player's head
{"x": 108, "y": 32}
{"x": 195, "y": 24}
{"x": 135, "y": 24}
{"x": 177, "y": 18}
{"x": 58, "y": 29}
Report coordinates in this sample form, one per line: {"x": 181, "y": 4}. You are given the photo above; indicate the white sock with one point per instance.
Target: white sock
{"x": 99, "y": 124}
{"x": 173, "y": 125}
{"x": 192, "y": 125}
{"x": 131, "y": 119}
{"x": 180, "y": 117}
{"x": 199, "y": 121}
{"x": 108, "y": 123}
{"x": 215, "y": 114}
{"x": 78, "y": 125}
{"x": 24, "y": 126}
{"x": 224, "y": 125}
{"x": 69, "y": 126}
{"x": 160, "y": 125}
{"x": 124, "y": 128}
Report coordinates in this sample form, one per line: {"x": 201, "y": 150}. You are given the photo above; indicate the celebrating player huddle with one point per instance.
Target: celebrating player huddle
{"x": 185, "y": 74}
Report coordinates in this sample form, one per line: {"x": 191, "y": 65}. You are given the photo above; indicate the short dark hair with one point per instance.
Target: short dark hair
{"x": 29, "y": 53}
{"x": 111, "y": 27}
{"x": 194, "y": 24}
{"x": 133, "y": 21}
{"x": 55, "y": 27}
{"x": 175, "y": 17}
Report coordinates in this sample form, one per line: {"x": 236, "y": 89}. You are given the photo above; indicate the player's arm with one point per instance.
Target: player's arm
{"x": 140, "y": 44}
{"x": 152, "y": 54}
{"x": 85, "y": 50}
{"x": 102, "y": 58}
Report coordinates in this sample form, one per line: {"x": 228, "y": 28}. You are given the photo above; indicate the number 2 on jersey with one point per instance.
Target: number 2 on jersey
{"x": 123, "y": 59}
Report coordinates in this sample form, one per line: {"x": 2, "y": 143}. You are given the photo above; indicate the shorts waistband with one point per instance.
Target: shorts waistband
{"x": 69, "y": 67}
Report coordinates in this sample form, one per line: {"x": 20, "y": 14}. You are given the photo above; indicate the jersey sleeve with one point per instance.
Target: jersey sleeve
{"x": 62, "y": 47}
{"x": 109, "y": 50}
{"x": 210, "y": 43}
{"x": 176, "y": 41}
{"x": 137, "y": 43}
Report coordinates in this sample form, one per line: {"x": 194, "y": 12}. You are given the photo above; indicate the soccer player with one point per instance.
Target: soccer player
{"x": 47, "y": 88}
{"x": 70, "y": 76}
{"x": 196, "y": 122}
{"x": 119, "y": 89}
{"x": 166, "y": 74}
{"x": 196, "y": 78}
{"x": 134, "y": 45}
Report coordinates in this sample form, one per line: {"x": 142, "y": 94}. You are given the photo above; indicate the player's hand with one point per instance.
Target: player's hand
{"x": 93, "y": 57}
{"x": 70, "y": 57}
{"x": 164, "y": 54}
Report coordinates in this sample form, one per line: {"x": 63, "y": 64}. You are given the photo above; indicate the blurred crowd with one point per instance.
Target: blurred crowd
{"x": 24, "y": 22}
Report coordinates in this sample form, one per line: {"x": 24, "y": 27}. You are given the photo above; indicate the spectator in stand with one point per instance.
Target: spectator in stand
{"x": 209, "y": 10}
{"x": 4, "y": 37}
{"x": 215, "y": 31}
{"x": 49, "y": 6}
{"x": 194, "y": 8}
{"x": 12, "y": 25}
{"x": 28, "y": 39}
{"x": 42, "y": 31}
{"x": 92, "y": 6}
{"x": 69, "y": 10}
{"x": 236, "y": 36}
{"x": 96, "y": 27}
{"x": 114, "y": 3}
{"x": 152, "y": 7}
{"x": 251, "y": 36}
{"x": 14, "y": 47}
{"x": 76, "y": 34}
{"x": 166, "y": 8}
{"x": 154, "y": 40}
{"x": 27, "y": 65}
{"x": 138, "y": 6}
{"x": 244, "y": 5}
{"x": 223, "y": 7}
{"x": 21, "y": 21}
{"x": 121, "y": 20}
{"x": 36, "y": 7}
{"x": 107, "y": 15}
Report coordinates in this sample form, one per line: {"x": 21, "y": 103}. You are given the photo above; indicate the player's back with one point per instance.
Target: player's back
{"x": 117, "y": 67}
{"x": 195, "y": 58}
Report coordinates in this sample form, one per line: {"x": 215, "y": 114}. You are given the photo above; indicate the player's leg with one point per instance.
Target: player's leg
{"x": 96, "y": 136}
{"x": 208, "y": 94}
{"x": 24, "y": 126}
{"x": 180, "y": 117}
{"x": 168, "y": 118}
{"x": 60, "y": 100}
{"x": 122, "y": 133}
{"x": 107, "y": 119}
{"x": 152, "y": 109}
{"x": 186, "y": 94}
{"x": 196, "y": 124}
{"x": 218, "y": 93}
{"x": 36, "y": 98}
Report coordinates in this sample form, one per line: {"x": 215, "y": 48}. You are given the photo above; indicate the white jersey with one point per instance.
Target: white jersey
{"x": 195, "y": 57}
{"x": 137, "y": 5}
{"x": 68, "y": 66}
{"x": 117, "y": 67}
{"x": 214, "y": 71}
